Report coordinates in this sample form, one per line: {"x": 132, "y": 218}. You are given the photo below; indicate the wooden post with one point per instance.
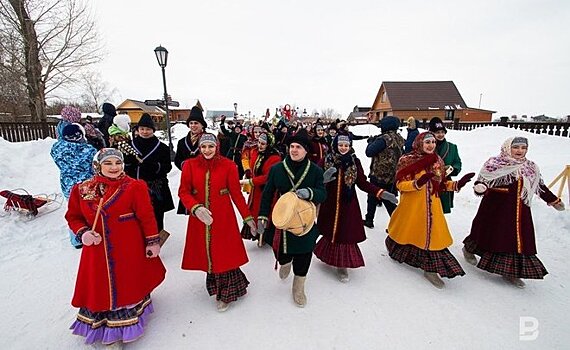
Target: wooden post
{"x": 564, "y": 179}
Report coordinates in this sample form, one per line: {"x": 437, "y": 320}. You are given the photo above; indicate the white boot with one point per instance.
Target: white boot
{"x": 222, "y": 306}
{"x": 284, "y": 270}
{"x": 517, "y": 282}
{"x": 299, "y": 291}
{"x": 342, "y": 273}
{"x": 118, "y": 345}
{"x": 469, "y": 257}
{"x": 434, "y": 279}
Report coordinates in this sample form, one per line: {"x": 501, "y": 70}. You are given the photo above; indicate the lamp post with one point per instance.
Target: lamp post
{"x": 235, "y": 110}
{"x": 162, "y": 57}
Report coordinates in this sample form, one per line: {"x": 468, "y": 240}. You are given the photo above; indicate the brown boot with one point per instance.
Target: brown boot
{"x": 434, "y": 279}
{"x": 299, "y": 291}
{"x": 284, "y": 270}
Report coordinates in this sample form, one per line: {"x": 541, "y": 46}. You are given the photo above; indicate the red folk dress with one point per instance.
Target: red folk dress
{"x": 115, "y": 273}
{"x": 213, "y": 183}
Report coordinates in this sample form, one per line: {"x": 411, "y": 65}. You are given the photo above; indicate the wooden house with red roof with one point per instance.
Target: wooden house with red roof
{"x": 424, "y": 100}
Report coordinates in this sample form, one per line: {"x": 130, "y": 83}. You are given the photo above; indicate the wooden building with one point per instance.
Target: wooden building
{"x": 135, "y": 109}
{"x": 424, "y": 100}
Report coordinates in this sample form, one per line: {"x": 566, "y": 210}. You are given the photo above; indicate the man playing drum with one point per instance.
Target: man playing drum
{"x": 299, "y": 175}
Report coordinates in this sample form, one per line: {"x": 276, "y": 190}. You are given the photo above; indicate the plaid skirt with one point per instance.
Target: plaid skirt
{"x": 125, "y": 325}
{"x": 439, "y": 261}
{"x": 227, "y": 286}
{"x": 339, "y": 255}
{"x": 507, "y": 264}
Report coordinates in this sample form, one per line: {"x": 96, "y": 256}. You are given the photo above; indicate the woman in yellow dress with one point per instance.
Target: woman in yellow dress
{"x": 418, "y": 234}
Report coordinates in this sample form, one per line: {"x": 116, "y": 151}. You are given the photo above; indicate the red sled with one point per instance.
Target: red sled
{"x": 26, "y": 203}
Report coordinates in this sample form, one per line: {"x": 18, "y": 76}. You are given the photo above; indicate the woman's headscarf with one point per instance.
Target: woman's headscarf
{"x": 346, "y": 162}
{"x": 504, "y": 169}
{"x": 417, "y": 160}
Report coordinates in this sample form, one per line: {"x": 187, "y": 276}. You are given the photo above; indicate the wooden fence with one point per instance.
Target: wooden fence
{"x": 26, "y": 131}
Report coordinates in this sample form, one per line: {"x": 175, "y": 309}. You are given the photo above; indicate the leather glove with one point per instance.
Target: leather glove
{"x": 90, "y": 237}
{"x": 464, "y": 180}
{"x": 152, "y": 250}
{"x": 252, "y": 227}
{"x": 261, "y": 224}
{"x": 204, "y": 215}
{"x": 247, "y": 174}
{"x": 303, "y": 193}
{"x": 388, "y": 196}
{"x": 328, "y": 175}
{"x": 424, "y": 179}
{"x": 558, "y": 205}
{"x": 480, "y": 189}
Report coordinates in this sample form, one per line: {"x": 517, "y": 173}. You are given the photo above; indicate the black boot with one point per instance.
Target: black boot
{"x": 368, "y": 223}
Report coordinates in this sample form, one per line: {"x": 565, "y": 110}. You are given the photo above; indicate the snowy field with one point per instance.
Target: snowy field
{"x": 386, "y": 305}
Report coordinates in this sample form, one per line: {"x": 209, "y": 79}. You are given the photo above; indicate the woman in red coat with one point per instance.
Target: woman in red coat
{"x": 267, "y": 157}
{"x": 208, "y": 186}
{"x": 112, "y": 215}
{"x": 339, "y": 219}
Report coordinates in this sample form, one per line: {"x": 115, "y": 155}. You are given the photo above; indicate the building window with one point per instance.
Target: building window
{"x": 449, "y": 115}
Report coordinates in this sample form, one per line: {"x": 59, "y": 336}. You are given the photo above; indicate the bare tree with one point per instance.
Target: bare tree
{"x": 12, "y": 82}
{"x": 329, "y": 114}
{"x": 95, "y": 91}
{"x": 57, "y": 39}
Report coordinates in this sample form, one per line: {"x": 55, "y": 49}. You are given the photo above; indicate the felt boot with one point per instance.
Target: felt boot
{"x": 434, "y": 279}
{"x": 299, "y": 291}
{"x": 469, "y": 257}
{"x": 342, "y": 273}
{"x": 284, "y": 270}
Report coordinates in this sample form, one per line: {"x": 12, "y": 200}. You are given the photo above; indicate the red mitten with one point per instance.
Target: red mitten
{"x": 424, "y": 179}
{"x": 464, "y": 180}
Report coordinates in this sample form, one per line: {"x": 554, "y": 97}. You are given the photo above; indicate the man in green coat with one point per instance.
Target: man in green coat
{"x": 295, "y": 173}
{"x": 448, "y": 152}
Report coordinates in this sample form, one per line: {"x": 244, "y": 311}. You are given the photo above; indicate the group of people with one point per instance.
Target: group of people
{"x": 117, "y": 211}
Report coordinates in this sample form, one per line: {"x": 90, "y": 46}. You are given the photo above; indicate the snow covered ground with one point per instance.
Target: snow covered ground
{"x": 386, "y": 305}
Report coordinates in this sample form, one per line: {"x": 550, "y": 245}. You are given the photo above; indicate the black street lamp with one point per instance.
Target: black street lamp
{"x": 235, "y": 110}
{"x": 162, "y": 58}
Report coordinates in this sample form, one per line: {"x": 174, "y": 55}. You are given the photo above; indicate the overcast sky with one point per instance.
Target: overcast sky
{"x": 335, "y": 54}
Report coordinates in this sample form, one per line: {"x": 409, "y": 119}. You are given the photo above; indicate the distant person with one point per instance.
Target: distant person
{"x": 69, "y": 115}
{"x": 109, "y": 112}
{"x": 385, "y": 151}
{"x": 237, "y": 140}
{"x": 92, "y": 134}
{"x": 152, "y": 166}
{"x": 188, "y": 147}
{"x": 412, "y": 134}
{"x": 450, "y": 155}
{"x": 502, "y": 232}
{"x": 73, "y": 156}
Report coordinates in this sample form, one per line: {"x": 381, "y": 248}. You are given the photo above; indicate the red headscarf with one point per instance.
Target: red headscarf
{"x": 412, "y": 163}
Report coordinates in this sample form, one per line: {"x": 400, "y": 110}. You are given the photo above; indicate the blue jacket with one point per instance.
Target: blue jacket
{"x": 75, "y": 163}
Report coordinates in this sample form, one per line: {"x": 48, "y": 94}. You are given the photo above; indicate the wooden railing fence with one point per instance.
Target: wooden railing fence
{"x": 26, "y": 131}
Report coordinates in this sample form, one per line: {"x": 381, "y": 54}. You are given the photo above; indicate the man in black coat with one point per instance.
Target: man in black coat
{"x": 152, "y": 166}
{"x": 109, "y": 112}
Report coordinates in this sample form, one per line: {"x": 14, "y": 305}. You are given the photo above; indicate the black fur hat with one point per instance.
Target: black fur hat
{"x": 196, "y": 115}
{"x": 146, "y": 120}
{"x": 302, "y": 138}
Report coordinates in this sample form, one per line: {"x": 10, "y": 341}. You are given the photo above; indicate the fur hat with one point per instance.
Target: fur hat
{"x": 73, "y": 133}
{"x": 197, "y": 116}
{"x": 302, "y": 138}
{"x": 71, "y": 114}
{"x": 146, "y": 121}
{"x": 435, "y": 124}
{"x": 411, "y": 123}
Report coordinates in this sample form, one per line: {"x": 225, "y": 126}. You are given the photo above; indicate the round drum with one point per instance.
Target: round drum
{"x": 294, "y": 214}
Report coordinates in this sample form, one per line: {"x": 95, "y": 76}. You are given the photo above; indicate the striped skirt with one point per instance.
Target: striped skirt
{"x": 339, "y": 254}
{"x": 124, "y": 325}
{"x": 507, "y": 264}
{"x": 439, "y": 261}
{"x": 227, "y": 286}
